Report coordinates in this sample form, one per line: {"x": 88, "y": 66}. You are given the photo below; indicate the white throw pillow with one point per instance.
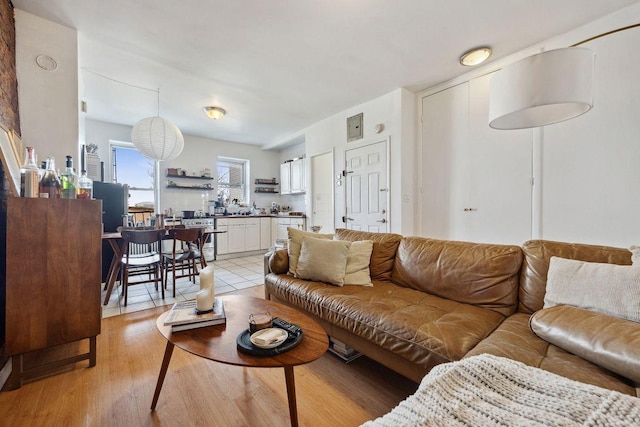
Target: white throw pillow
{"x": 358, "y": 260}
{"x": 607, "y": 288}
{"x": 323, "y": 260}
{"x": 295, "y": 244}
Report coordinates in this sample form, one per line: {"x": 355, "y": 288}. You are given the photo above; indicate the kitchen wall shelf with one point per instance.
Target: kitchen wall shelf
{"x": 266, "y": 190}
{"x": 262, "y": 181}
{"x": 190, "y": 177}
{"x": 190, "y": 187}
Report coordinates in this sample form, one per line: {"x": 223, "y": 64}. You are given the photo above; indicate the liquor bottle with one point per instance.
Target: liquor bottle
{"x": 29, "y": 179}
{"x": 68, "y": 180}
{"x": 50, "y": 183}
{"x": 85, "y": 186}
{"x": 43, "y": 167}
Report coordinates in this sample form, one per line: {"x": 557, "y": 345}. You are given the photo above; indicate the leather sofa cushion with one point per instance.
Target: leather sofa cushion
{"x": 608, "y": 341}
{"x": 384, "y": 250}
{"x": 515, "y": 340}
{"x": 416, "y": 326}
{"x": 485, "y": 275}
{"x": 538, "y": 253}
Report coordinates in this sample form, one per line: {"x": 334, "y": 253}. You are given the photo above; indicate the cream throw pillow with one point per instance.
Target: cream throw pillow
{"x": 607, "y": 288}
{"x": 323, "y": 260}
{"x": 295, "y": 244}
{"x": 358, "y": 260}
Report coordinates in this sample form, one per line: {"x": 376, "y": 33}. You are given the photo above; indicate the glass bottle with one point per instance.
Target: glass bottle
{"x": 68, "y": 180}
{"x": 43, "y": 167}
{"x": 29, "y": 175}
{"x": 50, "y": 183}
{"x": 85, "y": 186}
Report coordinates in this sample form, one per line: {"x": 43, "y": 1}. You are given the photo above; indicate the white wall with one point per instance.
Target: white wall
{"x": 585, "y": 169}
{"x": 199, "y": 153}
{"x": 49, "y": 114}
{"x": 396, "y": 110}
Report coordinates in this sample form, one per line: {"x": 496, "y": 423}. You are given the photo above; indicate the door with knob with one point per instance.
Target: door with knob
{"x": 366, "y": 189}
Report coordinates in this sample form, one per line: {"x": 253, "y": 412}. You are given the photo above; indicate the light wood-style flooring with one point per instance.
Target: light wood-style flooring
{"x": 196, "y": 392}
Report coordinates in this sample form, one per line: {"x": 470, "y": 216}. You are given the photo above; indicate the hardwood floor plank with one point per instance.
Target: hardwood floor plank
{"x": 119, "y": 389}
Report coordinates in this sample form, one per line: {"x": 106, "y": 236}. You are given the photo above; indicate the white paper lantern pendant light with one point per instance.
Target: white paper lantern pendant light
{"x": 157, "y": 138}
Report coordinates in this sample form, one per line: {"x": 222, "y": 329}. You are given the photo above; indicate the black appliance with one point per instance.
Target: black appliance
{"x": 115, "y": 207}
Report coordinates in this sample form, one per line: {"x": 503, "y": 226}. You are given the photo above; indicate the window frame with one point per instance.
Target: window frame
{"x": 245, "y": 185}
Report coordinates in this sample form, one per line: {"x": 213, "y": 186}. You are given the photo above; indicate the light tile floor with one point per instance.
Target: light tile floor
{"x": 230, "y": 275}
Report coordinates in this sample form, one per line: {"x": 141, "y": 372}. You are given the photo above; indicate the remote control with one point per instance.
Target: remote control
{"x": 289, "y": 327}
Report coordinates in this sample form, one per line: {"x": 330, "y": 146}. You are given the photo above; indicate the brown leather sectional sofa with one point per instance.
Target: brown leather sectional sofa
{"x": 436, "y": 301}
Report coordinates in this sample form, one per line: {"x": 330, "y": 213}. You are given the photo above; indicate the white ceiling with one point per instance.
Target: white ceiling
{"x": 278, "y": 66}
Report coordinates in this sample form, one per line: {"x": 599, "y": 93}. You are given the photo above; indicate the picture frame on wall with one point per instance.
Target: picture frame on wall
{"x": 354, "y": 127}
{"x": 9, "y": 160}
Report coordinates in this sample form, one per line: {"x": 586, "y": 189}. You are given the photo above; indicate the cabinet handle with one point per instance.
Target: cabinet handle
{"x": 470, "y": 209}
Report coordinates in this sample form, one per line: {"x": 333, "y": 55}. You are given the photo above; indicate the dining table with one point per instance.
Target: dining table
{"x": 117, "y": 244}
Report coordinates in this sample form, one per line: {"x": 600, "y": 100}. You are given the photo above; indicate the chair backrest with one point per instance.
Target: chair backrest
{"x": 187, "y": 235}
{"x": 134, "y": 238}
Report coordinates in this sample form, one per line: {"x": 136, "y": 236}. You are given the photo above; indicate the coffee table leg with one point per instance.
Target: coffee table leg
{"x": 163, "y": 371}
{"x": 291, "y": 394}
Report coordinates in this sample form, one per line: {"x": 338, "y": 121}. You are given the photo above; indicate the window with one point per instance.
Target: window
{"x": 232, "y": 180}
{"x": 132, "y": 168}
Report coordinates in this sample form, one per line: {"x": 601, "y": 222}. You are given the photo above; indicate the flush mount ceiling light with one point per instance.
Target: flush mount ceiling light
{"x": 214, "y": 113}
{"x": 475, "y": 56}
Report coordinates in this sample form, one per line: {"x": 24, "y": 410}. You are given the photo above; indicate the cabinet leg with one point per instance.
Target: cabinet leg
{"x": 92, "y": 351}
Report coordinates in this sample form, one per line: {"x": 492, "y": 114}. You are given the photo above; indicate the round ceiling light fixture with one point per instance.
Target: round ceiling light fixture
{"x": 475, "y": 56}
{"x": 214, "y": 113}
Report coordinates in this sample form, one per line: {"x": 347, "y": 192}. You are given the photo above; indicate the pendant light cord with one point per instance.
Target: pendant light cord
{"x": 157, "y": 91}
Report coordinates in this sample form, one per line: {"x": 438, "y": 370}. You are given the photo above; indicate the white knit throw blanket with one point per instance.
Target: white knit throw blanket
{"x": 487, "y": 390}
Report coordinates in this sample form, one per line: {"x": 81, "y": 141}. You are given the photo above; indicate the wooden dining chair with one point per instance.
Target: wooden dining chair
{"x": 186, "y": 248}
{"x": 142, "y": 255}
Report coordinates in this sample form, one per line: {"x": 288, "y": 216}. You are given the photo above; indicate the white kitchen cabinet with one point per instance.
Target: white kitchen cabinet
{"x": 236, "y": 233}
{"x": 265, "y": 233}
{"x": 282, "y": 223}
{"x": 252, "y": 234}
{"x": 285, "y": 178}
{"x": 297, "y": 176}
{"x": 222, "y": 238}
{"x": 292, "y": 177}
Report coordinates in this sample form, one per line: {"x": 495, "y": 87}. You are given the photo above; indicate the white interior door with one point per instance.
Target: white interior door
{"x": 367, "y": 188}
{"x": 476, "y": 181}
{"x": 322, "y": 192}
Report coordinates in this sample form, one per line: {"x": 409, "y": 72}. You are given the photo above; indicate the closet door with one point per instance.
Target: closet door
{"x": 500, "y": 185}
{"x": 476, "y": 181}
{"x": 443, "y": 166}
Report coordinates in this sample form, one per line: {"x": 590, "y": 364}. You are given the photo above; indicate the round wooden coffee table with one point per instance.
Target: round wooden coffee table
{"x": 218, "y": 342}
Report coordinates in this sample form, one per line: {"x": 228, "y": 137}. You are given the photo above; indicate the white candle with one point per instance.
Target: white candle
{"x": 204, "y": 299}
{"x": 206, "y": 278}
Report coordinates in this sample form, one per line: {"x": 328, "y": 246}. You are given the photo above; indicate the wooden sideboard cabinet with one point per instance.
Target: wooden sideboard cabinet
{"x": 53, "y": 272}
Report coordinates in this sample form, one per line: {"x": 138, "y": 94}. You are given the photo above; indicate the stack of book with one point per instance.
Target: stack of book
{"x": 342, "y": 350}
{"x": 184, "y": 316}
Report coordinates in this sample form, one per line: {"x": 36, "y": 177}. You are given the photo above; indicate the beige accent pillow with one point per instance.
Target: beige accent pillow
{"x": 295, "y": 244}
{"x": 323, "y": 260}
{"x": 358, "y": 259}
{"x": 608, "y": 288}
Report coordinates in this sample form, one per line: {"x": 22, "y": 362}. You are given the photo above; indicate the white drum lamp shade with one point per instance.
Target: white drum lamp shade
{"x": 542, "y": 89}
{"x": 157, "y": 138}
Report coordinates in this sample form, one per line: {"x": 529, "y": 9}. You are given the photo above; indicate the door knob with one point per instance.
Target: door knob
{"x": 383, "y": 220}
